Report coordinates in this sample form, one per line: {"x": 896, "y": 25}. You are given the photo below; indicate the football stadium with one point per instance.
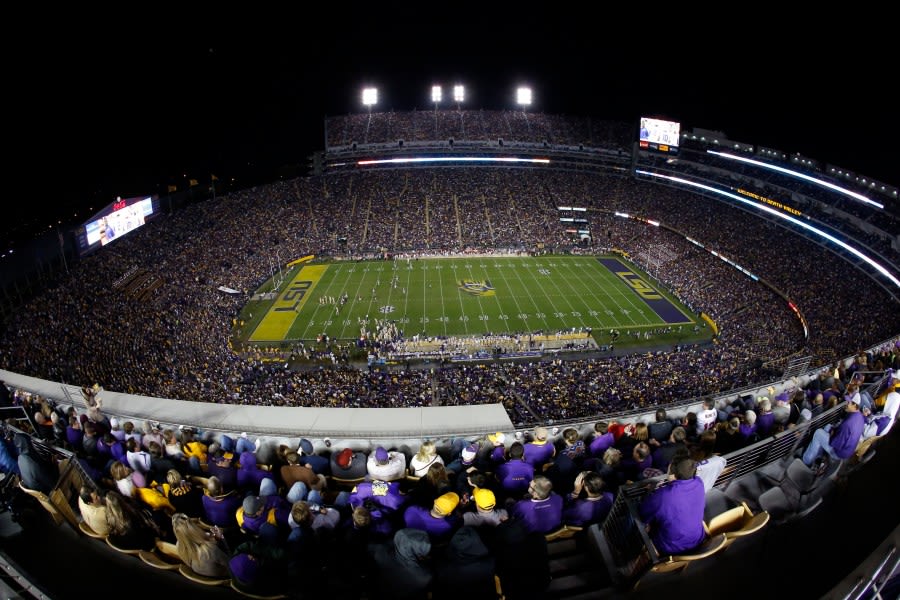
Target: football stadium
{"x": 471, "y": 352}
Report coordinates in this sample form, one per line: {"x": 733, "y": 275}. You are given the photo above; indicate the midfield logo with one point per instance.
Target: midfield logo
{"x": 477, "y": 288}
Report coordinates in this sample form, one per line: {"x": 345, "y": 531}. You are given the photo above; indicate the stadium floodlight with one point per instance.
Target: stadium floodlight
{"x": 370, "y": 97}
{"x": 523, "y": 97}
{"x": 436, "y": 94}
{"x": 459, "y": 94}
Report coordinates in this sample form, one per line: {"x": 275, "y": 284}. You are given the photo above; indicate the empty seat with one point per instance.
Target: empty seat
{"x": 677, "y": 563}
{"x": 44, "y": 500}
{"x": 730, "y": 520}
{"x": 752, "y": 525}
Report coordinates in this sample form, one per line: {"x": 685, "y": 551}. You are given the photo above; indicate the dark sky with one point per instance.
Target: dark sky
{"x": 129, "y": 110}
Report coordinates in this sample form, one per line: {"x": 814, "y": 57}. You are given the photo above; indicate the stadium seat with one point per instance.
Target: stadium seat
{"x": 86, "y": 530}
{"x": 258, "y": 596}
{"x": 784, "y": 509}
{"x": 679, "y": 562}
{"x": 45, "y": 502}
{"x": 122, "y": 550}
{"x": 563, "y": 533}
{"x": 203, "y": 579}
{"x": 168, "y": 549}
{"x": 737, "y": 522}
{"x": 158, "y": 561}
{"x": 347, "y": 484}
{"x": 750, "y": 526}
{"x": 717, "y": 502}
{"x": 729, "y": 520}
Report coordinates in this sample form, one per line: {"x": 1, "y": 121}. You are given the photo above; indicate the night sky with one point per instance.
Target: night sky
{"x": 126, "y": 112}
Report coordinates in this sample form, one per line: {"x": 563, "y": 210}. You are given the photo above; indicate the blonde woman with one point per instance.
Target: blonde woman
{"x": 125, "y": 479}
{"x": 424, "y": 458}
{"x": 200, "y": 549}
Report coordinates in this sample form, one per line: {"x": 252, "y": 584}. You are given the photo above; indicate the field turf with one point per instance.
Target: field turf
{"x": 463, "y": 297}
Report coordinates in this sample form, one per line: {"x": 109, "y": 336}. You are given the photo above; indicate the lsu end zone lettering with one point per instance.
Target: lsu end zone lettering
{"x": 661, "y": 305}
{"x": 640, "y": 286}
{"x": 277, "y": 322}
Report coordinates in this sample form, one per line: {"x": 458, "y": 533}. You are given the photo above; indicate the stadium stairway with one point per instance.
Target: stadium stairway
{"x": 577, "y": 574}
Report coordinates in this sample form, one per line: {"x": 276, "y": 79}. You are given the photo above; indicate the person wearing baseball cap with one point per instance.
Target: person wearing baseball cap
{"x": 486, "y": 511}
{"x": 838, "y": 443}
{"x": 465, "y": 462}
{"x": 319, "y": 464}
{"x": 348, "y": 464}
{"x": 439, "y": 522}
{"x": 253, "y": 516}
{"x": 386, "y": 466}
{"x": 495, "y": 449}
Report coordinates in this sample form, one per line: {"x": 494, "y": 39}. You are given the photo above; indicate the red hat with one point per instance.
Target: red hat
{"x": 343, "y": 458}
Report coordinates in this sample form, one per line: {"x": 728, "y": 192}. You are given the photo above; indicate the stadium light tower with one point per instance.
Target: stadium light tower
{"x": 370, "y": 97}
{"x": 523, "y": 97}
{"x": 436, "y": 94}
{"x": 459, "y": 95}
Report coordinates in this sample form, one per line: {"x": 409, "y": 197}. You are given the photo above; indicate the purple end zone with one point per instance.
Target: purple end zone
{"x": 667, "y": 311}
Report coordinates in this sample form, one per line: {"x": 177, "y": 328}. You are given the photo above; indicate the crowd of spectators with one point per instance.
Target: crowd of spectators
{"x": 176, "y": 342}
{"x": 484, "y": 125}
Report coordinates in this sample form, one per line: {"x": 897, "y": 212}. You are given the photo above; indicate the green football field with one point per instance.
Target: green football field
{"x": 460, "y": 297}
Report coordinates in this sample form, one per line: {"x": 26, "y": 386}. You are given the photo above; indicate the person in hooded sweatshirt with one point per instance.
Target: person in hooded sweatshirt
{"x": 401, "y": 570}
{"x": 465, "y": 569}
{"x": 249, "y": 475}
{"x": 36, "y": 472}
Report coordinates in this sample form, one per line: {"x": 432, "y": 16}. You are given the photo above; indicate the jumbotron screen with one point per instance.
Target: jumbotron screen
{"x": 114, "y": 221}
{"x": 659, "y": 135}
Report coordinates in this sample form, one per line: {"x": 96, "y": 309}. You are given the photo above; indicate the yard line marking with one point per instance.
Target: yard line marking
{"x": 537, "y": 308}
{"x": 609, "y": 285}
{"x": 555, "y": 309}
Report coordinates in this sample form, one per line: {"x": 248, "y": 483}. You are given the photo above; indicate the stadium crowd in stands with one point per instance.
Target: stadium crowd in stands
{"x": 176, "y": 343}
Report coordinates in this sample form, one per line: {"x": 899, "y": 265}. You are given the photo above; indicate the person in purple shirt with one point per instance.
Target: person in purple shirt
{"x": 633, "y": 466}
{"x": 603, "y": 439}
{"x": 249, "y": 475}
{"x": 439, "y": 522}
{"x": 220, "y": 506}
{"x": 541, "y": 509}
{"x": 674, "y": 512}
{"x": 765, "y": 418}
{"x": 493, "y": 452}
{"x": 74, "y": 434}
{"x": 219, "y": 463}
{"x": 838, "y": 443}
{"x": 515, "y": 474}
{"x": 384, "y": 501}
{"x": 748, "y": 427}
{"x": 539, "y": 451}
{"x": 588, "y": 503}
